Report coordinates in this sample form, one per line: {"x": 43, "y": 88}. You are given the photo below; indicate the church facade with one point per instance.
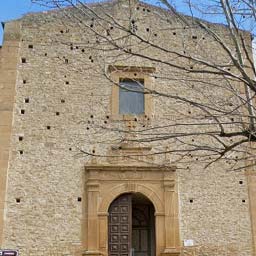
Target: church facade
{"x": 83, "y": 171}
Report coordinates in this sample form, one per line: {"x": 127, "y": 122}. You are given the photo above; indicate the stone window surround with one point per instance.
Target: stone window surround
{"x": 104, "y": 183}
{"x": 136, "y": 73}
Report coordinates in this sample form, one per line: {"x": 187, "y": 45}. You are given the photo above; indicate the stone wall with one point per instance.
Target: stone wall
{"x": 63, "y": 104}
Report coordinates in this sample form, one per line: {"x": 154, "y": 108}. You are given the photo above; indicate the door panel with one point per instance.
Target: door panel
{"x": 120, "y": 227}
{"x": 135, "y": 239}
{"x": 141, "y": 230}
{"x": 144, "y": 240}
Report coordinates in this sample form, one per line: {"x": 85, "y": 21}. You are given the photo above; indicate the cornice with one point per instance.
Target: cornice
{"x": 113, "y": 68}
{"x": 121, "y": 168}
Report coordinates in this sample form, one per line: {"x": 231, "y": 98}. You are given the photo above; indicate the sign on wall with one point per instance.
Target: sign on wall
{"x": 9, "y": 253}
{"x": 189, "y": 242}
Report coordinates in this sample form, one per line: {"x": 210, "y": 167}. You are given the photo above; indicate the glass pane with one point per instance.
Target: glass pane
{"x": 131, "y": 97}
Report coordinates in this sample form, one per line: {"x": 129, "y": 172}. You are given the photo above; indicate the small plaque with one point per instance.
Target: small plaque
{"x": 9, "y": 253}
{"x": 189, "y": 242}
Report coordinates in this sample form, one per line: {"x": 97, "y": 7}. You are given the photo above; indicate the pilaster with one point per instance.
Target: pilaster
{"x": 8, "y": 70}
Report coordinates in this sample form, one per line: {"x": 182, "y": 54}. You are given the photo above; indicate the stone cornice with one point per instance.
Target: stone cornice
{"x": 108, "y": 167}
{"x": 113, "y": 68}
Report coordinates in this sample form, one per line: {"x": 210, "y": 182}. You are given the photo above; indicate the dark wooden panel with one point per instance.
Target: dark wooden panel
{"x": 120, "y": 226}
{"x": 141, "y": 229}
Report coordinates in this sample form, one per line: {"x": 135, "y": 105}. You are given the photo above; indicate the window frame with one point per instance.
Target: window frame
{"x": 133, "y": 73}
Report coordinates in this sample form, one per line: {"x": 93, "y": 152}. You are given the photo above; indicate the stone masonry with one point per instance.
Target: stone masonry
{"x": 57, "y": 101}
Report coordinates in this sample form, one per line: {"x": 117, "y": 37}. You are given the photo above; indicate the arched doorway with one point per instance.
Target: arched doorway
{"x": 131, "y": 226}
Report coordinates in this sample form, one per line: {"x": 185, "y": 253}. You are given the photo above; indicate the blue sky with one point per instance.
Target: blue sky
{"x": 14, "y": 9}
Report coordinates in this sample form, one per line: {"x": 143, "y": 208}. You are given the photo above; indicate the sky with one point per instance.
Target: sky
{"x": 14, "y": 9}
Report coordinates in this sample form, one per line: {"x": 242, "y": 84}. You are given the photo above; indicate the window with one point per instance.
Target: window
{"x": 129, "y": 87}
{"x": 131, "y": 96}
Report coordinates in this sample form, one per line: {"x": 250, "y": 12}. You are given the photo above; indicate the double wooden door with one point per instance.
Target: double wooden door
{"x": 130, "y": 227}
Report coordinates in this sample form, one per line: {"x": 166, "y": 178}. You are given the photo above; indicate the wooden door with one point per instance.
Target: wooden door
{"x": 142, "y": 230}
{"x": 120, "y": 226}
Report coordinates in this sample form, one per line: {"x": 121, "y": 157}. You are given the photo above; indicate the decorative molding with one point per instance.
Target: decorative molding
{"x": 169, "y": 184}
{"x": 122, "y": 168}
{"x": 113, "y": 68}
{"x": 92, "y": 186}
{"x": 105, "y": 182}
{"x": 125, "y": 188}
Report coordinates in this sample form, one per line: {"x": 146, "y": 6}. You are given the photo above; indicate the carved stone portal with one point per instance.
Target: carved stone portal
{"x": 104, "y": 183}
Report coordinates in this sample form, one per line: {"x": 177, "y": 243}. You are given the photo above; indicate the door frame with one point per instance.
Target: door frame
{"x": 104, "y": 183}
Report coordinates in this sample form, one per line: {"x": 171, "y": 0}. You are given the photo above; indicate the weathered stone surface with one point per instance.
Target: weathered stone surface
{"x": 49, "y": 176}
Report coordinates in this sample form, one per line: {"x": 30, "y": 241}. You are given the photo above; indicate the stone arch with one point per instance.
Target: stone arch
{"x": 131, "y": 188}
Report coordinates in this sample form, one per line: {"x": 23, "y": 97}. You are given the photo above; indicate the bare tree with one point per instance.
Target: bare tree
{"x": 206, "y": 84}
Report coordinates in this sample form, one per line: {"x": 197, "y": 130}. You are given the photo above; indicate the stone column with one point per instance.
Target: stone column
{"x": 103, "y": 232}
{"x": 160, "y": 233}
{"x": 171, "y": 218}
{"x": 92, "y": 219}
